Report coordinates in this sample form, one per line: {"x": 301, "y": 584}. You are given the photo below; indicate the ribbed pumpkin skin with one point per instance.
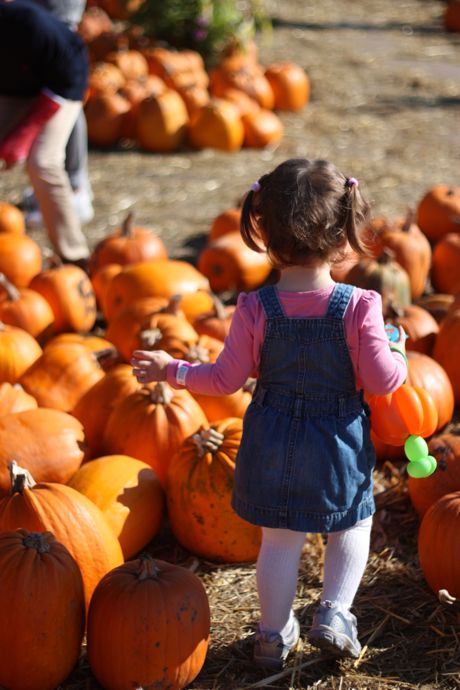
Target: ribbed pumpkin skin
{"x": 148, "y": 626}
{"x": 13, "y": 398}
{"x": 129, "y": 494}
{"x": 150, "y": 426}
{"x": 18, "y": 351}
{"x": 198, "y": 494}
{"x": 439, "y": 544}
{"x": 42, "y": 597}
{"x": 73, "y": 519}
{"x": 427, "y": 373}
{"x": 49, "y": 443}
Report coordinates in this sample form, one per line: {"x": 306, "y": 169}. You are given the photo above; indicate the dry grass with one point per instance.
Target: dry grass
{"x": 410, "y": 640}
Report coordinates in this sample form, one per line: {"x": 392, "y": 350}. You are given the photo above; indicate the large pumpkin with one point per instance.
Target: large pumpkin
{"x": 198, "y": 492}
{"x": 290, "y": 85}
{"x": 438, "y": 211}
{"x": 148, "y": 626}
{"x": 71, "y": 296}
{"x": 42, "y": 611}
{"x": 129, "y": 494}
{"x": 62, "y": 375}
{"x": 446, "y": 349}
{"x": 151, "y": 424}
{"x": 13, "y": 398}
{"x": 49, "y": 443}
{"x": 445, "y": 275}
{"x": 162, "y": 278}
{"x": 439, "y": 544}
{"x": 426, "y": 491}
{"x": 74, "y": 520}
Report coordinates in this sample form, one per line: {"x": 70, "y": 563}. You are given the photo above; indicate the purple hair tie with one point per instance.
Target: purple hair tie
{"x": 351, "y": 182}
{"x": 255, "y": 187}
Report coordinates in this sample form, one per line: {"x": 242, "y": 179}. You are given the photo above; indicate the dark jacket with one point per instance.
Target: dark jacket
{"x": 38, "y": 51}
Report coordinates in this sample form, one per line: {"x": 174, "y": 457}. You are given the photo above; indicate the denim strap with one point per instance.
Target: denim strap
{"x": 270, "y": 302}
{"x": 339, "y": 300}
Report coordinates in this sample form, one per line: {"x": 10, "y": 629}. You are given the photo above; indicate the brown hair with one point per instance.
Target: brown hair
{"x": 304, "y": 210}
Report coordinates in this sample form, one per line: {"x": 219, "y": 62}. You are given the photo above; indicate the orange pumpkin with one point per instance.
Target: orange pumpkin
{"x": 198, "y": 492}
{"x": 451, "y": 16}
{"x": 74, "y": 520}
{"x": 445, "y": 275}
{"x": 438, "y": 211}
{"x": 104, "y": 79}
{"x": 438, "y": 304}
{"x": 26, "y": 309}
{"x": 261, "y": 129}
{"x": 129, "y": 494}
{"x": 215, "y": 323}
{"x": 106, "y": 114}
{"x": 229, "y": 264}
{"x": 162, "y": 278}
{"x": 407, "y": 411}
{"x": 169, "y": 649}
{"x": 131, "y": 63}
{"x": 127, "y": 245}
{"x": 49, "y": 443}
{"x": 424, "y": 492}
{"x": 151, "y": 423}
{"x": 217, "y": 125}
{"x": 161, "y": 122}
{"x": 62, "y": 375}
{"x": 53, "y": 614}
{"x": 11, "y": 219}
{"x": 226, "y": 221}
{"x": 70, "y": 293}
{"x": 437, "y": 544}
{"x": 425, "y": 372}
{"x": 290, "y": 85}
{"x": 445, "y": 349}
{"x": 95, "y": 406}
{"x": 217, "y": 407}
{"x": 20, "y": 258}
{"x": 18, "y": 351}
{"x": 420, "y": 327}
{"x": 100, "y": 279}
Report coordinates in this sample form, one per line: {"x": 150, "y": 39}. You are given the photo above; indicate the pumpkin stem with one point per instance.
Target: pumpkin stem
{"x": 148, "y": 568}
{"x": 208, "y": 441}
{"x": 149, "y": 338}
{"x": 38, "y": 541}
{"x": 249, "y": 385}
{"x": 446, "y": 598}
{"x": 107, "y": 354}
{"x": 197, "y": 353}
{"x": 386, "y": 256}
{"x": 219, "y": 307}
{"x": 11, "y": 290}
{"x": 173, "y": 306}
{"x": 127, "y": 227}
{"x": 393, "y": 311}
{"x": 161, "y": 394}
{"x": 20, "y": 478}
{"x": 409, "y": 219}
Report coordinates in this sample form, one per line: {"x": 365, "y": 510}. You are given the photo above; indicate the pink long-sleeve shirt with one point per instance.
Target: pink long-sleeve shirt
{"x": 378, "y": 369}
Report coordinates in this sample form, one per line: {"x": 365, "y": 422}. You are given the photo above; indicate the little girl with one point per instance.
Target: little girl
{"x": 306, "y": 459}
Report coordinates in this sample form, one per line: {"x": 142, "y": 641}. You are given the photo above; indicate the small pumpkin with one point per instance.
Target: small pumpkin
{"x": 290, "y": 85}
{"x": 229, "y": 264}
{"x": 169, "y": 649}
{"x": 131, "y": 63}
{"x": 18, "y": 351}
{"x": 26, "y": 309}
{"x": 12, "y": 219}
{"x": 198, "y": 493}
{"x": 106, "y": 115}
{"x": 128, "y": 493}
{"x": 226, "y": 221}
{"x": 217, "y": 125}
{"x": 20, "y": 258}
{"x": 261, "y": 129}
{"x": 52, "y": 613}
{"x": 420, "y": 327}
{"x": 13, "y": 398}
{"x": 438, "y": 211}
{"x": 70, "y": 293}
{"x": 151, "y": 423}
{"x": 161, "y": 122}
{"x": 215, "y": 323}
{"x": 384, "y": 275}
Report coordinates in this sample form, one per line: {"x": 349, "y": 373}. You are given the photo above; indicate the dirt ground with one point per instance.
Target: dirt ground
{"x": 384, "y": 107}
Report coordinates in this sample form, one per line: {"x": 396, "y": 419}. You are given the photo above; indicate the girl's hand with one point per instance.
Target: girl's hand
{"x": 401, "y": 342}
{"x": 150, "y": 365}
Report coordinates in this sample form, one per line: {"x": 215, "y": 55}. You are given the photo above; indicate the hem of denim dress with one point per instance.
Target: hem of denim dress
{"x": 303, "y": 521}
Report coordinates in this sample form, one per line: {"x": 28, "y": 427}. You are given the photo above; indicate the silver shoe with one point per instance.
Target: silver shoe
{"x": 334, "y": 630}
{"x": 270, "y": 651}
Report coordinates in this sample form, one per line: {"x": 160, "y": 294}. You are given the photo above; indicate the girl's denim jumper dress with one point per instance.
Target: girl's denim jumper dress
{"x": 305, "y": 461}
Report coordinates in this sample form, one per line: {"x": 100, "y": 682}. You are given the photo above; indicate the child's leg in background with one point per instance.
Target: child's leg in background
{"x": 345, "y": 561}
{"x": 277, "y": 573}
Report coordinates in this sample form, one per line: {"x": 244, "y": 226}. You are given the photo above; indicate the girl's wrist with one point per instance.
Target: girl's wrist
{"x": 176, "y": 372}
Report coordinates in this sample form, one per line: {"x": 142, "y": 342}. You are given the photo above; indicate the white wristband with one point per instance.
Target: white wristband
{"x": 181, "y": 373}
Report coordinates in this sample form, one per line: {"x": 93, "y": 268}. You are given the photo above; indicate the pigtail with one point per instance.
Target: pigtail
{"x": 249, "y": 223}
{"x": 356, "y": 215}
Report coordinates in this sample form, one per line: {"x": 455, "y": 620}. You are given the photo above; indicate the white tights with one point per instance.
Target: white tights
{"x": 278, "y": 565}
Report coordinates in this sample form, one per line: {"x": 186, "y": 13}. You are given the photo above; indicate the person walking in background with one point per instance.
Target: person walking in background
{"x": 306, "y": 459}
{"x": 43, "y": 78}
{"x": 76, "y": 157}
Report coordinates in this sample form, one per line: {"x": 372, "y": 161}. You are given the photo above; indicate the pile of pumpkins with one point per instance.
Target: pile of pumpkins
{"x": 91, "y": 461}
{"x": 163, "y": 99}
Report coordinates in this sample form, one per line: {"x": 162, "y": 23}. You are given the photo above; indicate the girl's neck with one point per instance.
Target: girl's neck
{"x": 305, "y": 278}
